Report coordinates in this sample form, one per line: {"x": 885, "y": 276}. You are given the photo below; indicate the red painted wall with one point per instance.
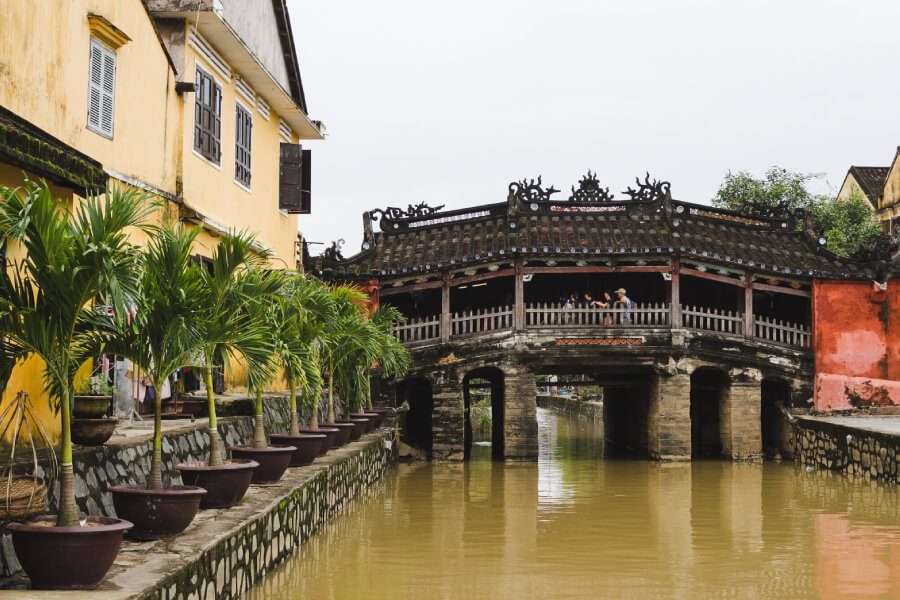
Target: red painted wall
{"x": 856, "y": 340}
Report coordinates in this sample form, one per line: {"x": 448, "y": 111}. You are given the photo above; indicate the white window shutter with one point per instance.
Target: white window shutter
{"x": 102, "y": 89}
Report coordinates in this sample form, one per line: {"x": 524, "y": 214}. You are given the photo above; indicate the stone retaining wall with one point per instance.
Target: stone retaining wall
{"x": 127, "y": 461}
{"x": 857, "y": 452}
{"x": 573, "y": 406}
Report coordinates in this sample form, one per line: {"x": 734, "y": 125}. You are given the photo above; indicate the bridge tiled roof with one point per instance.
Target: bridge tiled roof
{"x": 422, "y": 240}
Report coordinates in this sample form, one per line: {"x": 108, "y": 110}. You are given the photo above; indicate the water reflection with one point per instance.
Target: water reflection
{"x": 578, "y": 525}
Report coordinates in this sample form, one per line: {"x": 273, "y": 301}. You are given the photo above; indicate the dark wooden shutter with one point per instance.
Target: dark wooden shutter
{"x": 294, "y": 179}
{"x": 306, "y": 184}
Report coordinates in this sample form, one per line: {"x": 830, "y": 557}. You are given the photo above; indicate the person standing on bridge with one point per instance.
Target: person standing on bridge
{"x": 606, "y": 304}
{"x": 625, "y": 304}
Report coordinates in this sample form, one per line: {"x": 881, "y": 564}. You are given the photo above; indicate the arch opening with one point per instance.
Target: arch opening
{"x": 416, "y": 428}
{"x": 708, "y": 386}
{"x": 774, "y": 426}
{"x": 483, "y": 394}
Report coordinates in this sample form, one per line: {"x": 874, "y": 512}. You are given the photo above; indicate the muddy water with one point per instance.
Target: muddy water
{"x": 578, "y": 525}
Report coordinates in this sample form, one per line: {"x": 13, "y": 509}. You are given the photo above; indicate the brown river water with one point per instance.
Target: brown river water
{"x": 576, "y": 524}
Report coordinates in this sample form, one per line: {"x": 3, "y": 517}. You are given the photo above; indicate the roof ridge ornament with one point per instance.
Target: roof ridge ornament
{"x": 333, "y": 252}
{"x": 413, "y": 211}
{"x": 589, "y": 190}
{"x": 529, "y": 190}
{"x": 649, "y": 191}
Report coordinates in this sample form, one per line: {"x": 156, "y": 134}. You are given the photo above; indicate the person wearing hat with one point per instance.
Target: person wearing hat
{"x": 625, "y": 303}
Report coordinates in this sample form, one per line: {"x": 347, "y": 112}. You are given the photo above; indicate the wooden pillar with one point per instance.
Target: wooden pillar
{"x": 675, "y": 298}
{"x": 445, "y": 308}
{"x": 748, "y": 308}
{"x": 519, "y": 309}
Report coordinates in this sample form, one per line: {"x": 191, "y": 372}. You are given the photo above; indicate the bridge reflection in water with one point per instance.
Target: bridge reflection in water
{"x": 576, "y": 525}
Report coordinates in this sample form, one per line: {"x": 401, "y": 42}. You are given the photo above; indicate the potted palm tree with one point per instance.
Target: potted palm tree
{"x": 273, "y": 459}
{"x": 391, "y": 358}
{"x": 347, "y": 335}
{"x": 230, "y": 283}
{"x": 161, "y": 337}
{"x": 48, "y": 302}
{"x": 297, "y": 356}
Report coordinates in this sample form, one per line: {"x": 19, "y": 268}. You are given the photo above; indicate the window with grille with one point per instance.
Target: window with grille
{"x": 243, "y": 128}
{"x": 208, "y": 117}
{"x": 101, "y": 89}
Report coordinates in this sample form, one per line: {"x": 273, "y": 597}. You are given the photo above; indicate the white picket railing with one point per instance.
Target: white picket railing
{"x": 557, "y": 314}
{"x": 419, "y": 329}
{"x": 779, "y": 332}
{"x": 712, "y": 319}
{"x": 481, "y": 320}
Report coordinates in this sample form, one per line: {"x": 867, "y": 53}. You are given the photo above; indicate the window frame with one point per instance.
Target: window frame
{"x": 238, "y": 148}
{"x": 215, "y": 109}
{"x": 106, "y": 52}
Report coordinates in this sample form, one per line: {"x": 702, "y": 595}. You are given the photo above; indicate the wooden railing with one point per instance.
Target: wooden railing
{"x": 556, "y": 315}
{"x": 549, "y": 314}
{"x": 779, "y": 332}
{"x": 481, "y": 320}
{"x": 419, "y": 329}
{"x": 712, "y": 319}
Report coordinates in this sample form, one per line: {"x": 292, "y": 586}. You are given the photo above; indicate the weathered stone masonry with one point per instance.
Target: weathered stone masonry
{"x": 854, "y": 451}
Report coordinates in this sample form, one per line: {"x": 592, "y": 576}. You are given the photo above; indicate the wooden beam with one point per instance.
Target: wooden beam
{"x": 748, "y": 311}
{"x": 712, "y": 277}
{"x": 519, "y": 307}
{"x": 597, "y": 269}
{"x": 482, "y": 277}
{"x": 675, "y": 297}
{"x": 415, "y": 287}
{"x": 445, "y": 308}
{"x": 765, "y": 287}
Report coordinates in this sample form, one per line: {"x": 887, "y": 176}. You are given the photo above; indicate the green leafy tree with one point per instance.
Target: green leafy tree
{"x": 163, "y": 333}
{"x": 231, "y": 283}
{"x": 848, "y": 226}
{"x": 77, "y": 263}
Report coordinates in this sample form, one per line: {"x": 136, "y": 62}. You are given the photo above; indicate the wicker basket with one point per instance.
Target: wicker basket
{"x": 24, "y": 496}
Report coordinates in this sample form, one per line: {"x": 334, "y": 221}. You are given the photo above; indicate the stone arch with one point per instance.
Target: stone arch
{"x": 709, "y": 384}
{"x": 495, "y": 379}
{"x": 417, "y": 428}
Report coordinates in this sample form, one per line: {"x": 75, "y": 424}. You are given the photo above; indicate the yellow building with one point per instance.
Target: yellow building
{"x": 194, "y": 107}
{"x": 880, "y": 186}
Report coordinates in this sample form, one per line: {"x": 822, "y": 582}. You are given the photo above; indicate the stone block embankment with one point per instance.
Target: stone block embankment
{"x": 572, "y": 406}
{"x": 859, "y": 446}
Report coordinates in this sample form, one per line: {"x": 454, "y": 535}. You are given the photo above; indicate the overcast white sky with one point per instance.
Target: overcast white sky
{"x": 447, "y": 102}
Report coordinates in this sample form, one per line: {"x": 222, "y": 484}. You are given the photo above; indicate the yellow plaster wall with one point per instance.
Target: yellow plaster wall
{"x": 890, "y": 202}
{"x": 44, "y": 54}
{"x": 849, "y": 188}
{"x": 211, "y": 189}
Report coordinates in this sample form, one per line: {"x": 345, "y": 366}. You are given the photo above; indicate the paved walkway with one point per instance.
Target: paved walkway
{"x": 889, "y": 424}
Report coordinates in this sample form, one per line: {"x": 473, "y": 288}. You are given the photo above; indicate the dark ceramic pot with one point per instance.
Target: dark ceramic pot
{"x": 307, "y": 444}
{"x": 359, "y": 427}
{"x": 382, "y": 415}
{"x": 157, "y": 513}
{"x": 225, "y": 485}
{"x": 93, "y": 432}
{"x": 371, "y": 417}
{"x": 67, "y": 558}
{"x": 273, "y": 461}
{"x": 331, "y": 435}
{"x": 91, "y": 407}
{"x": 345, "y": 430}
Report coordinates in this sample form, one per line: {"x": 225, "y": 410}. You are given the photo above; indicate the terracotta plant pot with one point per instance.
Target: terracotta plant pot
{"x": 225, "y": 485}
{"x": 307, "y": 444}
{"x": 156, "y": 513}
{"x": 67, "y": 558}
{"x": 93, "y": 432}
{"x": 331, "y": 434}
{"x": 91, "y": 407}
{"x": 359, "y": 427}
{"x": 273, "y": 461}
{"x": 371, "y": 417}
{"x": 345, "y": 430}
